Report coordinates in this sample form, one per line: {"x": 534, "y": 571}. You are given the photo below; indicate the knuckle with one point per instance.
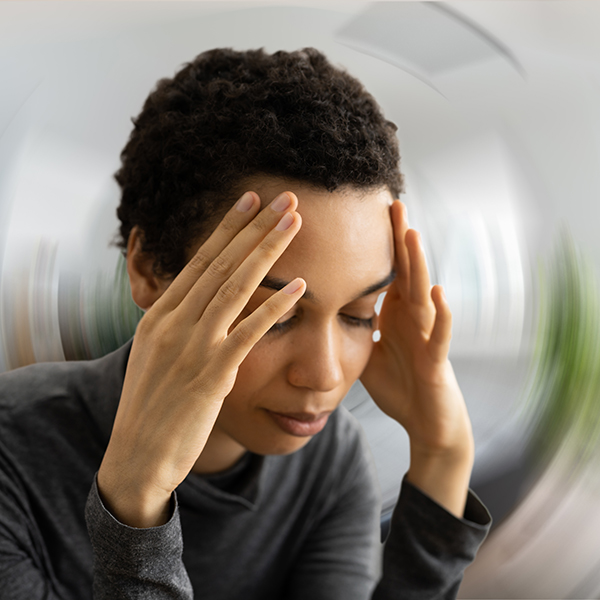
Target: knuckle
{"x": 228, "y": 291}
{"x": 220, "y": 267}
{"x": 167, "y": 331}
{"x": 148, "y": 321}
{"x": 241, "y": 335}
{"x": 270, "y": 248}
{"x": 152, "y": 325}
{"x": 165, "y": 341}
{"x": 272, "y": 308}
{"x": 261, "y": 224}
{"x": 145, "y": 328}
{"x": 200, "y": 261}
{"x": 229, "y": 225}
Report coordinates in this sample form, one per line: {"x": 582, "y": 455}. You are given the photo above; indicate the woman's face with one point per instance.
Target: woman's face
{"x": 304, "y": 367}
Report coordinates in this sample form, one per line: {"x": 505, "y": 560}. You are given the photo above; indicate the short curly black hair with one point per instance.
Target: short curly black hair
{"x": 228, "y": 116}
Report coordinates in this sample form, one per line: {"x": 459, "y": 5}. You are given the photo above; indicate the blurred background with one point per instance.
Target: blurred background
{"x": 498, "y": 110}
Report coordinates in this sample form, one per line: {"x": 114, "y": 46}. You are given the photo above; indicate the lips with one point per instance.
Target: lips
{"x": 300, "y": 424}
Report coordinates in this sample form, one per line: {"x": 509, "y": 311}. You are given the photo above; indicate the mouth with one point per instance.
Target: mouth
{"x": 300, "y": 424}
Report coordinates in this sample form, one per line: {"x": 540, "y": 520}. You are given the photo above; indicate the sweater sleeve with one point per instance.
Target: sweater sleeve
{"x": 136, "y": 563}
{"x": 428, "y": 548}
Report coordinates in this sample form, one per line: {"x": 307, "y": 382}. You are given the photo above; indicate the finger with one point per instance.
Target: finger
{"x": 233, "y": 296}
{"x": 217, "y": 280}
{"x": 210, "y": 277}
{"x": 250, "y": 330}
{"x": 420, "y": 285}
{"x": 400, "y": 223}
{"x": 439, "y": 341}
{"x": 238, "y": 217}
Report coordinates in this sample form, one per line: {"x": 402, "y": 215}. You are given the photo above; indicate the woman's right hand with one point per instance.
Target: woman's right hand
{"x": 184, "y": 360}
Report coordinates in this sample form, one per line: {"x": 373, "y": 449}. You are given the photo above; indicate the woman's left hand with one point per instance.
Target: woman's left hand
{"x": 408, "y": 374}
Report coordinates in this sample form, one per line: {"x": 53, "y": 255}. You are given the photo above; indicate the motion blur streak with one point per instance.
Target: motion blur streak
{"x": 48, "y": 315}
{"x": 566, "y": 390}
{"x": 526, "y": 556}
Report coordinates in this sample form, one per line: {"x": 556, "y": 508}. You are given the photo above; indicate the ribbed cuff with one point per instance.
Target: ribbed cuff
{"x": 428, "y": 548}
{"x": 136, "y": 562}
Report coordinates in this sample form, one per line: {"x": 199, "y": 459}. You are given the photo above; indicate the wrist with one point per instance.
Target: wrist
{"x": 132, "y": 504}
{"x": 443, "y": 475}
{"x": 457, "y": 452}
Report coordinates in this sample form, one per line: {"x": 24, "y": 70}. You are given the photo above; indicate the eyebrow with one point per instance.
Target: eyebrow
{"x": 274, "y": 283}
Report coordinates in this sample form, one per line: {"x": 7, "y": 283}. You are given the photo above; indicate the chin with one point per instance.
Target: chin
{"x": 278, "y": 444}
{"x": 260, "y": 434}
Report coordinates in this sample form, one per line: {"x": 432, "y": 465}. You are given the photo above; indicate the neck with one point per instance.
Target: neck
{"x": 220, "y": 453}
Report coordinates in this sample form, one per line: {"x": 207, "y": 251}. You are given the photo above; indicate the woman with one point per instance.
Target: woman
{"x": 260, "y": 220}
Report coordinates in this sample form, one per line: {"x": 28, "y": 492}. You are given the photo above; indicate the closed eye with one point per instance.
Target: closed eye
{"x": 347, "y": 319}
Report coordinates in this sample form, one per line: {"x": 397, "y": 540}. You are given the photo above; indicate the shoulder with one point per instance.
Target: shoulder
{"x": 28, "y": 385}
{"x": 50, "y": 379}
{"x": 45, "y": 396}
{"x": 34, "y": 397}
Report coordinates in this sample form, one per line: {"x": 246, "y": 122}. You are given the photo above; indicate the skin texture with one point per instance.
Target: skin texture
{"x": 344, "y": 246}
{"x": 205, "y": 392}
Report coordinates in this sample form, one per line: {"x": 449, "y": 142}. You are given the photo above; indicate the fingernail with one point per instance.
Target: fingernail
{"x": 292, "y": 286}
{"x": 281, "y": 202}
{"x": 244, "y": 204}
{"x": 406, "y": 216}
{"x": 285, "y": 222}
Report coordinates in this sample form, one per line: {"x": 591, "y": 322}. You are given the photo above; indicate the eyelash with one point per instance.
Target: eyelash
{"x": 350, "y": 321}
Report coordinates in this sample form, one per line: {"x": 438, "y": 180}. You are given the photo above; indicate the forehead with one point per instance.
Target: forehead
{"x": 345, "y": 243}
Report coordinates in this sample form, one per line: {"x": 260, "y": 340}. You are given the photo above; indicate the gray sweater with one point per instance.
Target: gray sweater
{"x": 302, "y": 526}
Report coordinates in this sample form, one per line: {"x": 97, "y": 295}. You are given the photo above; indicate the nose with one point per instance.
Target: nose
{"x": 316, "y": 361}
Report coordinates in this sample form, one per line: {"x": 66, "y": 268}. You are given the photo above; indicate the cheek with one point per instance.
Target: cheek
{"x": 259, "y": 365}
{"x": 256, "y": 371}
{"x": 362, "y": 353}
